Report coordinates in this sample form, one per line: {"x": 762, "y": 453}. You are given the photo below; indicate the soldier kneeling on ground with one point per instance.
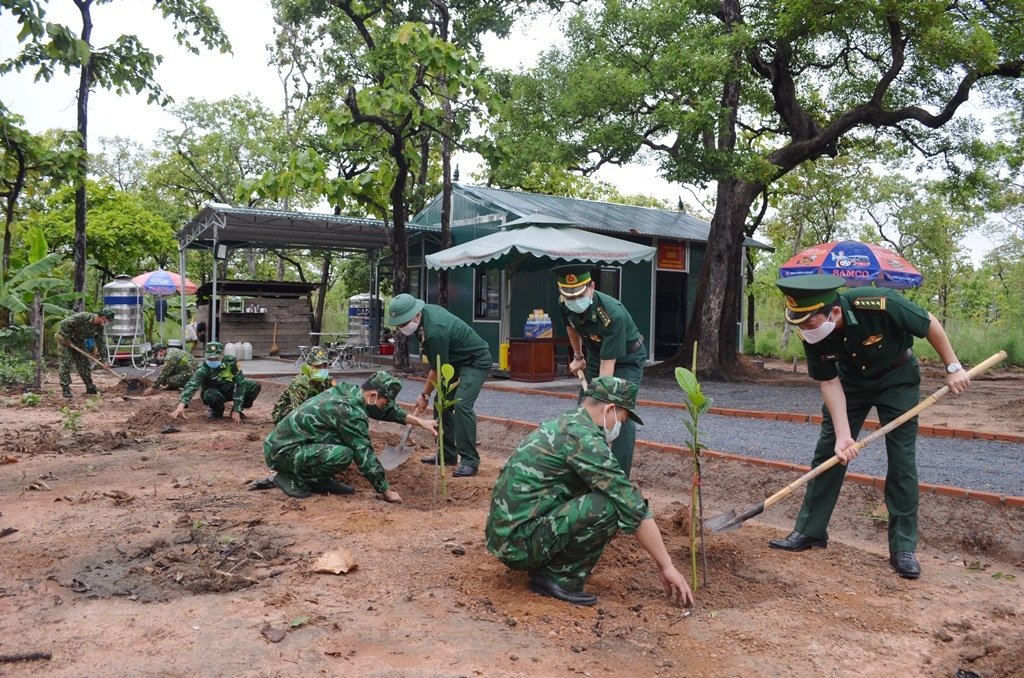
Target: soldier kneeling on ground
{"x": 219, "y": 379}
{"x": 178, "y": 366}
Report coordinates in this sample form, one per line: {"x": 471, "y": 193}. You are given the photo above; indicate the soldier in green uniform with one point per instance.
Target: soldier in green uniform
{"x": 313, "y": 380}
{"x": 614, "y": 345}
{"x": 219, "y": 379}
{"x": 327, "y": 433}
{"x": 178, "y": 366}
{"x": 84, "y": 330}
{"x": 858, "y": 346}
{"x": 442, "y": 334}
{"x": 562, "y": 496}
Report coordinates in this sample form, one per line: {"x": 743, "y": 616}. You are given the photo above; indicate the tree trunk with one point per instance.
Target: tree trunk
{"x": 446, "y": 160}
{"x": 85, "y": 80}
{"x": 321, "y": 302}
{"x": 37, "y": 348}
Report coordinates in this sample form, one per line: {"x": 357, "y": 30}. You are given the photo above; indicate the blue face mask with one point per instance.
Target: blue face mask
{"x": 321, "y": 375}
{"x": 578, "y": 305}
{"x": 213, "y": 364}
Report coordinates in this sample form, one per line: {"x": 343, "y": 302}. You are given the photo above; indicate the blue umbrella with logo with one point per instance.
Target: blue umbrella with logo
{"x": 160, "y": 284}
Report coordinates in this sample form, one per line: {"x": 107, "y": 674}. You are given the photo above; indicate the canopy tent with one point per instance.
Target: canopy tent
{"x": 218, "y": 228}
{"x": 533, "y": 242}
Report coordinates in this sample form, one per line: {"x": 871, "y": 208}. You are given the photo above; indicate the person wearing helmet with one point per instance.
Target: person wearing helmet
{"x": 443, "y": 335}
{"x": 178, "y": 366}
{"x": 85, "y": 332}
{"x": 327, "y": 433}
{"x": 219, "y": 379}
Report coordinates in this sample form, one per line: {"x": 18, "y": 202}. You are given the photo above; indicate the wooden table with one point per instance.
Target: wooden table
{"x": 533, "y": 360}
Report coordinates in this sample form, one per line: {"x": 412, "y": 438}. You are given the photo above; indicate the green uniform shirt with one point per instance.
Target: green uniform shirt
{"x": 81, "y": 326}
{"x": 299, "y": 391}
{"x": 442, "y": 334}
{"x": 562, "y": 459}
{"x": 227, "y": 378}
{"x": 880, "y": 326}
{"x": 179, "y": 366}
{"x": 606, "y": 328}
{"x": 335, "y": 417}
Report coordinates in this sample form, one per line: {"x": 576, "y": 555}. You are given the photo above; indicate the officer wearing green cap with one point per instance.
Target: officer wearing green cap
{"x": 85, "y": 331}
{"x": 219, "y": 379}
{"x": 562, "y": 496}
{"x": 858, "y": 346}
{"x": 177, "y": 367}
{"x": 441, "y": 334}
{"x": 614, "y": 345}
{"x": 330, "y": 431}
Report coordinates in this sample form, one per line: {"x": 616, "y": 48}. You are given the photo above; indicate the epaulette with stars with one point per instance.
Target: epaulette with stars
{"x": 869, "y": 303}
{"x": 603, "y": 316}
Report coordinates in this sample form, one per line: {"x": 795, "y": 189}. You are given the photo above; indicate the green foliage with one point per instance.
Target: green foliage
{"x": 696, "y": 404}
{"x": 443, "y": 387}
{"x": 71, "y": 421}
{"x": 16, "y": 370}
{"x": 28, "y": 276}
{"x": 30, "y": 399}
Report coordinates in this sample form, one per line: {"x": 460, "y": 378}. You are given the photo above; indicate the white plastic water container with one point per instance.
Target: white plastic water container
{"x": 246, "y": 351}
{"x": 231, "y": 349}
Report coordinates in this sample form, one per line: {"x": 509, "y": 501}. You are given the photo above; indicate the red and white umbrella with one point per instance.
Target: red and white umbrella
{"x": 163, "y": 283}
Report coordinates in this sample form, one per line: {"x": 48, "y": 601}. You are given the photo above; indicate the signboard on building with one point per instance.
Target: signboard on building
{"x": 671, "y": 256}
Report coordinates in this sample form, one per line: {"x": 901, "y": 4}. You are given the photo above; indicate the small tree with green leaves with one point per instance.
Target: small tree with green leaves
{"x": 443, "y": 401}
{"x": 696, "y": 404}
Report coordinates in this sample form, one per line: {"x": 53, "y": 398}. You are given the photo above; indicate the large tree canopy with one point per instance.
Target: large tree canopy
{"x": 740, "y": 93}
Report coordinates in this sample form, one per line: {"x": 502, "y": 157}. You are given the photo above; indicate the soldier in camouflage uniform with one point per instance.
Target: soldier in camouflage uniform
{"x": 219, "y": 379}
{"x": 313, "y": 381}
{"x": 327, "y": 433}
{"x": 178, "y": 368}
{"x": 562, "y": 496}
{"x": 84, "y": 330}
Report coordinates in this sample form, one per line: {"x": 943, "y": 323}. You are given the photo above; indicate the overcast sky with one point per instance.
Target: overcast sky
{"x": 212, "y": 76}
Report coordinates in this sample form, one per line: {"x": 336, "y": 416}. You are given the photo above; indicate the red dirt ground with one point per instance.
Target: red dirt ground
{"x": 142, "y": 553}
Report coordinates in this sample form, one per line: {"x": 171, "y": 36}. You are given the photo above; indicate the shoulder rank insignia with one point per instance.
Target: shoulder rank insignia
{"x": 870, "y": 303}
{"x": 603, "y": 316}
{"x": 873, "y": 339}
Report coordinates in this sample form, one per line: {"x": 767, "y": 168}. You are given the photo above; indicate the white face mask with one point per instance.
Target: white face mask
{"x": 578, "y": 305}
{"x": 612, "y": 433}
{"x": 409, "y": 329}
{"x": 819, "y": 332}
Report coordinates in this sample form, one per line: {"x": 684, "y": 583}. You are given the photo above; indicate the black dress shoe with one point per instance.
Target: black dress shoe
{"x": 905, "y": 564}
{"x": 546, "y": 587}
{"x": 464, "y": 471}
{"x": 433, "y": 461}
{"x": 797, "y": 542}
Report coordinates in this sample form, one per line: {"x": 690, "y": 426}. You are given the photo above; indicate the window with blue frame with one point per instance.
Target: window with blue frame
{"x": 487, "y": 291}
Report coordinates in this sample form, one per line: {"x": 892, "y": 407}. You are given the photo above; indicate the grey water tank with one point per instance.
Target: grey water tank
{"x": 125, "y": 297}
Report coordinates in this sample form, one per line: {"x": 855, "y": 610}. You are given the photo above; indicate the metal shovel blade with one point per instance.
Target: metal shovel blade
{"x": 392, "y": 456}
{"x": 729, "y": 521}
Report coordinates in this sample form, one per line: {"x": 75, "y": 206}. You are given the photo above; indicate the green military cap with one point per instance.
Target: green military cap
{"x": 404, "y": 308}
{"x": 616, "y": 391}
{"x": 107, "y": 313}
{"x": 572, "y": 279}
{"x": 805, "y": 294}
{"x": 214, "y": 349}
{"x": 385, "y": 384}
{"x": 317, "y": 356}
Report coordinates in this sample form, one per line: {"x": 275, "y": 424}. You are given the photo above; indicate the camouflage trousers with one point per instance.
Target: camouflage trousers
{"x": 565, "y": 545}
{"x": 310, "y": 463}
{"x": 215, "y": 398}
{"x": 68, "y": 357}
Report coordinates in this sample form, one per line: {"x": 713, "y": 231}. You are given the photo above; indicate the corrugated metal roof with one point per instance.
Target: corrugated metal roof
{"x": 470, "y": 204}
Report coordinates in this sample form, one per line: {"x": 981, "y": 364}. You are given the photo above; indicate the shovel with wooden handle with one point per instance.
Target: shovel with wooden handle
{"x": 583, "y": 380}
{"x": 730, "y": 521}
{"x": 133, "y": 385}
{"x": 392, "y": 457}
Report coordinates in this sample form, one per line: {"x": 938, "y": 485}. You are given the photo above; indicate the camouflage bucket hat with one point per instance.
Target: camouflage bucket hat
{"x": 214, "y": 349}
{"x": 107, "y": 313}
{"x": 158, "y": 347}
{"x": 386, "y": 385}
{"x": 317, "y": 356}
{"x": 616, "y": 391}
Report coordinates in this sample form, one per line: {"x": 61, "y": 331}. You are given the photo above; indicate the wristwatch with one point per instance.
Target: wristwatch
{"x": 953, "y": 368}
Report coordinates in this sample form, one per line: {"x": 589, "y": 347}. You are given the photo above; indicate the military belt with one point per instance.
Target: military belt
{"x": 899, "y": 361}
{"x": 636, "y": 346}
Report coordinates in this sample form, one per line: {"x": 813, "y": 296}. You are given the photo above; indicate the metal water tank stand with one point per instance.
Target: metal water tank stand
{"x": 127, "y": 348}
